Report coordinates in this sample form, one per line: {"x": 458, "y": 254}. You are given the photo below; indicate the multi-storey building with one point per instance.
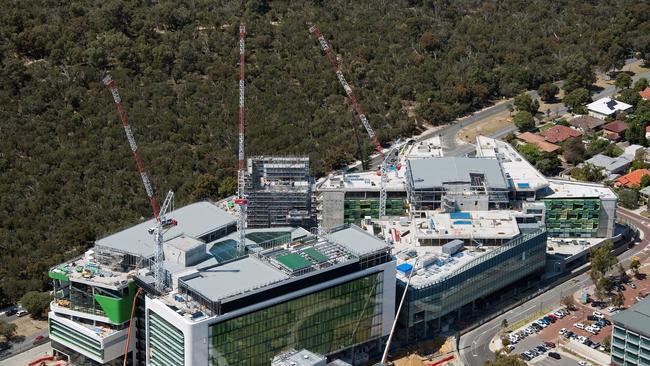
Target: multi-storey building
{"x": 631, "y": 336}
{"x": 280, "y": 192}
{"x": 334, "y": 295}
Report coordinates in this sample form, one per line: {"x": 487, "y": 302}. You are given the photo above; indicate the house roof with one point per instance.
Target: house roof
{"x": 647, "y": 129}
{"x": 586, "y": 123}
{"x": 607, "y": 106}
{"x": 608, "y": 163}
{"x": 616, "y": 126}
{"x": 645, "y": 93}
{"x": 633, "y": 178}
{"x": 538, "y": 141}
{"x": 560, "y": 133}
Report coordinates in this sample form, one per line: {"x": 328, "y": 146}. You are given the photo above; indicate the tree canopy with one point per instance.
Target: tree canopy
{"x": 524, "y": 121}
{"x": 65, "y": 171}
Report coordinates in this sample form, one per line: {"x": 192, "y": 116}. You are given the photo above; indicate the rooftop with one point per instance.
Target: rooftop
{"x": 429, "y": 148}
{"x": 523, "y": 175}
{"x": 437, "y": 172}
{"x": 616, "y": 126}
{"x": 607, "y": 106}
{"x": 365, "y": 181}
{"x": 632, "y": 179}
{"x": 266, "y": 268}
{"x": 194, "y": 220}
{"x": 586, "y": 123}
{"x": 573, "y": 189}
{"x": 608, "y": 163}
{"x": 560, "y": 133}
{"x": 298, "y": 358}
{"x": 538, "y": 141}
{"x": 637, "y": 317}
{"x": 645, "y": 93}
{"x": 477, "y": 225}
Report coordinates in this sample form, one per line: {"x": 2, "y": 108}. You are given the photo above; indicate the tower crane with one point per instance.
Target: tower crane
{"x": 241, "y": 199}
{"x": 159, "y": 214}
{"x": 383, "y": 168}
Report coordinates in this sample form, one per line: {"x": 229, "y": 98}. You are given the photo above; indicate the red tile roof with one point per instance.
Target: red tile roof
{"x": 645, "y": 93}
{"x": 616, "y": 126}
{"x": 632, "y": 179}
{"x": 538, "y": 141}
{"x": 560, "y": 133}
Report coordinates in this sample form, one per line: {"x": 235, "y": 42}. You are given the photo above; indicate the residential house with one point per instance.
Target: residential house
{"x": 537, "y": 140}
{"x": 647, "y": 132}
{"x": 615, "y": 130}
{"x": 587, "y": 124}
{"x": 605, "y": 107}
{"x": 613, "y": 167}
{"x": 631, "y": 179}
{"x": 645, "y": 93}
{"x": 560, "y": 133}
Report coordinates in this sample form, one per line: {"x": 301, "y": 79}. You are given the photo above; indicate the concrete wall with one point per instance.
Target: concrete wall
{"x": 606, "y": 218}
{"x": 332, "y": 207}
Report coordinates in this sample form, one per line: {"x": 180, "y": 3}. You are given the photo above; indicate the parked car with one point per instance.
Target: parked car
{"x": 563, "y": 331}
{"x": 598, "y": 314}
{"x": 11, "y": 312}
{"x": 632, "y": 285}
{"x": 549, "y": 344}
{"x": 510, "y": 347}
{"x": 21, "y": 313}
{"x": 611, "y": 309}
{"x": 579, "y": 325}
{"x": 554, "y": 355}
{"x": 525, "y": 356}
{"x": 38, "y": 339}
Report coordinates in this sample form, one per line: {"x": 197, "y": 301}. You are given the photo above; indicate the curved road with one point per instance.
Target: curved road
{"x": 473, "y": 346}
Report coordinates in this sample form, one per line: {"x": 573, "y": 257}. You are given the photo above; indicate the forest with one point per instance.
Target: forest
{"x": 66, "y": 174}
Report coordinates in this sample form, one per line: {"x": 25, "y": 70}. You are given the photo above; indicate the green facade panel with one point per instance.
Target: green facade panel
{"x": 118, "y": 310}
{"x": 323, "y": 322}
{"x": 572, "y": 217}
{"x": 58, "y": 276}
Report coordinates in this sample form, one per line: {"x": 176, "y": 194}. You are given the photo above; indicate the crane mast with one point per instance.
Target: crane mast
{"x": 159, "y": 214}
{"x": 241, "y": 200}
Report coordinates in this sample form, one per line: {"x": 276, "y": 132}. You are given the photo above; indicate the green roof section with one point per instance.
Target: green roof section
{"x": 316, "y": 255}
{"x": 58, "y": 275}
{"x": 294, "y": 261}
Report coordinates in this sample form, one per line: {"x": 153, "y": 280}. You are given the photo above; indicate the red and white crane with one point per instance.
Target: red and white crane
{"x": 360, "y": 112}
{"x": 161, "y": 222}
{"x": 241, "y": 200}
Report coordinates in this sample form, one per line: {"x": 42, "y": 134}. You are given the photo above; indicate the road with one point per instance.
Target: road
{"x": 473, "y": 345}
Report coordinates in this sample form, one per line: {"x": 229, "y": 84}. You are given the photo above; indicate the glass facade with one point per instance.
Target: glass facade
{"x": 572, "y": 217}
{"x": 354, "y": 210}
{"x": 324, "y": 322}
{"x": 166, "y": 343}
{"x": 486, "y": 274}
{"x": 629, "y": 348}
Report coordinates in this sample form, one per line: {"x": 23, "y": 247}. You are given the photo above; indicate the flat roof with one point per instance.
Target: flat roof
{"x": 573, "y": 189}
{"x": 357, "y": 240}
{"x": 429, "y": 148}
{"x": 514, "y": 165}
{"x": 637, "y": 317}
{"x": 194, "y": 220}
{"x": 495, "y": 224}
{"x": 365, "y": 181}
{"x": 607, "y": 106}
{"x": 231, "y": 278}
{"x": 436, "y": 172}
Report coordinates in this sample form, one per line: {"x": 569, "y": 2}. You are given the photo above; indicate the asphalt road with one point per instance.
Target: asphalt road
{"x": 473, "y": 346}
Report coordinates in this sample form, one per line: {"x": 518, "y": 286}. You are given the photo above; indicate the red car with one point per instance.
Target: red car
{"x": 549, "y": 344}
{"x": 38, "y": 339}
{"x": 552, "y": 316}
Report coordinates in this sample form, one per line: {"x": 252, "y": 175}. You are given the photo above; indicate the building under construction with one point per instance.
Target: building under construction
{"x": 280, "y": 192}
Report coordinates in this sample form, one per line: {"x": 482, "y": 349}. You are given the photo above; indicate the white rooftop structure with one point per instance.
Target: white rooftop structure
{"x": 429, "y": 148}
{"x": 194, "y": 220}
{"x": 573, "y": 189}
{"x": 365, "y": 181}
{"x": 299, "y": 358}
{"x": 606, "y": 107}
{"x": 523, "y": 175}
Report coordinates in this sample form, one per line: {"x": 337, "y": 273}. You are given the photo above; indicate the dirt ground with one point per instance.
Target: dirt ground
{"x": 485, "y": 127}
{"x": 28, "y": 326}
{"x": 636, "y": 67}
{"x": 552, "y": 107}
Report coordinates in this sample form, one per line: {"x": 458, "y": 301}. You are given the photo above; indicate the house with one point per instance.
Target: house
{"x": 645, "y": 93}
{"x": 587, "y": 123}
{"x": 644, "y": 194}
{"x": 631, "y": 151}
{"x": 614, "y": 130}
{"x": 647, "y": 132}
{"x": 560, "y": 133}
{"x": 631, "y": 179}
{"x": 537, "y": 140}
{"x": 613, "y": 167}
{"x": 605, "y": 107}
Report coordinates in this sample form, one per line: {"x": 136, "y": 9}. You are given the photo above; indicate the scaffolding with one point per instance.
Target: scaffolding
{"x": 280, "y": 192}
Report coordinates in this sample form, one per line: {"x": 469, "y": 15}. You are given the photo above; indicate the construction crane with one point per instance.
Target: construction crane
{"x": 383, "y": 168}
{"x": 161, "y": 222}
{"x": 383, "y": 195}
{"x": 241, "y": 200}
{"x": 348, "y": 90}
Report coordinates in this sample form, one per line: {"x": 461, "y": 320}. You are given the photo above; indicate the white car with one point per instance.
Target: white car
{"x": 21, "y": 313}
{"x": 541, "y": 324}
{"x": 598, "y": 314}
{"x": 563, "y": 330}
{"x": 579, "y": 325}
{"x": 510, "y": 347}
{"x": 592, "y": 330}
{"x": 611, "y": 309}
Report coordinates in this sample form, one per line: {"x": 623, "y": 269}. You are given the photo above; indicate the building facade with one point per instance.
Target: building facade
{"x": 631, "y": 336}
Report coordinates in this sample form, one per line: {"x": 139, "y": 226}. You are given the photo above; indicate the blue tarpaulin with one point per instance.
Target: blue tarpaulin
{"x": 404, "y": 268}
{"x": 460, "y": 216}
